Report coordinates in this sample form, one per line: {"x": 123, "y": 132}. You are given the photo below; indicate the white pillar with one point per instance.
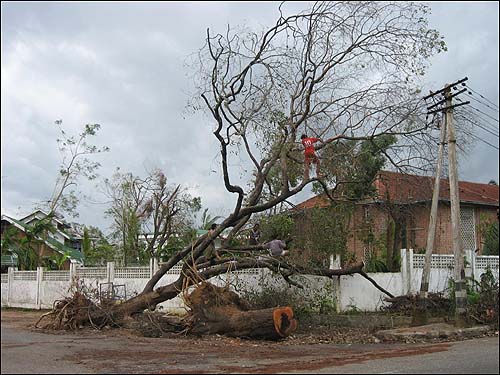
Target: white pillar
{"x": 72, "y": 272}
{"x": 406, "y": 269}
{"x": 338, "y": 294}
{"x": 155, "y": 265}
{"x": 39, "y": 279}
{"x": 469, "y": 266}
{"x": 110, "y": 271}
{"x": 10, "y": 284}
{"x": 335, "y": 263}
{"x": 151, "y": 267}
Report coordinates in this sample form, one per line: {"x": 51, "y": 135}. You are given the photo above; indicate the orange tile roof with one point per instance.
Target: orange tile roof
{"x": 405, "y": 188}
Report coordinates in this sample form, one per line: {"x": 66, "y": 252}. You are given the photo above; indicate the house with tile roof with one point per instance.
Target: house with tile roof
{"x": 405, "y": 201}
{"x": 63, "y": 241}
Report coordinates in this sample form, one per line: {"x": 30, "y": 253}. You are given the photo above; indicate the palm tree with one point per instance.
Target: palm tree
{"x": 207, "y": 220}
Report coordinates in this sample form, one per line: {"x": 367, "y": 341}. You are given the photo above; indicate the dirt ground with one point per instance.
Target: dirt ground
{"x": 123, "y": 351}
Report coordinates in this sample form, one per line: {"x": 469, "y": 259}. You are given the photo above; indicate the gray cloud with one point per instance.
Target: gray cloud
{"x": 122, "y": 65}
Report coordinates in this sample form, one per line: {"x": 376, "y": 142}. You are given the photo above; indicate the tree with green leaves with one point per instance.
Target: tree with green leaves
{"x": 491, "y": 243}
{"x": 147, "y": 213}
{"x": 96, "y": 248}
{"x": 207, "y": 220}
{"x": 74, "y": 165}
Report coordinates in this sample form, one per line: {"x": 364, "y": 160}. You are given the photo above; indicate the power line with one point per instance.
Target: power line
{"x": 478, "y": 116}
{"x": 474, "y": 123}
{"x": 489, "y": 101}
{"x": 484, "y": 113}
{"x": 495, "y": 134}
{"x": 479, "y": 101}
{"x": 484, "y": 122}
{"x": 482, "y": 140}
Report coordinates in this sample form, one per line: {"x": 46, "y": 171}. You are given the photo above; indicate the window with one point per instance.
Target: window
{"x": 467, "y": 228}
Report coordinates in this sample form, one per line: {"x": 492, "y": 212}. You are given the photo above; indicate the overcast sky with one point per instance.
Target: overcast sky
{"x": 122, "y": 65}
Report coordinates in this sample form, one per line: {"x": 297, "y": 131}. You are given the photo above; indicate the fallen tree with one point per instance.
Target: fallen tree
{"x": 219, "y": 310}
{"x": 312, "y": 72}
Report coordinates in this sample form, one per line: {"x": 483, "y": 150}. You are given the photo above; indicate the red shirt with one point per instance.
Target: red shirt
{"x": 309, "y": 145}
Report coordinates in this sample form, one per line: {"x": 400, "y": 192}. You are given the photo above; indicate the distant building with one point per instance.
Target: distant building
{"x": 406, "y": 199}
{"x": 66, "y": 239}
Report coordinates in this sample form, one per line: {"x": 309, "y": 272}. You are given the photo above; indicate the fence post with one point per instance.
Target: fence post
{"x": 39, "y": 279}
{"x": 410, "y": 269}
{"x": 72, "y": 272}
{"x": 336, "y": 264}
{"x": 110, "y": 271}
{"x": 469, "y": 263}
{"x": 403, "y": 271}
{"x": 155, "y": 266}
{"x": 151, "y": 267}
{"x": 10, "y": 284}
{"x": 406, "y": 269}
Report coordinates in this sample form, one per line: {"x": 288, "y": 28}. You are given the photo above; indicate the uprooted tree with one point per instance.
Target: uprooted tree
{"x": 342, "y": 71}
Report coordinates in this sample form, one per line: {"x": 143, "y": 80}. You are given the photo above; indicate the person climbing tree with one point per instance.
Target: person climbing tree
{"x": 254, "y": 236}
{"x": 211, "y": 252}
{"x": 277, "y": 248}
{"x": 310, "y": 155}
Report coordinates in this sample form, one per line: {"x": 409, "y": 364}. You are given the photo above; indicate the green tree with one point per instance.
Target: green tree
{"x": 491, "y": 242}
{"x": 147, "y": 212}
{"x": 96, "y": 247}
{"x": 207, "y": 220}
{"x": 280, "y": 226}
{"x": 352, "y": 165}
{"x": 74, "y": 165}
{"x": 56, "y": 260}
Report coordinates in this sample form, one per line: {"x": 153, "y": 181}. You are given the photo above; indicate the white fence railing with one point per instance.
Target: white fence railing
{"x": 91, "y": 272}
{"x": 25, "y": 275}
{"x": 132, "y": 273}
{"x": 437, "y": 261}
{"x": 39, "y": 289}
{"x": 56, "y": 276}
{"x": 487, "y": 261}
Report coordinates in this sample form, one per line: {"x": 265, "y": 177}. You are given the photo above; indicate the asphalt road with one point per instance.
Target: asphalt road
{"x": 474, "y": 356}
{"x": 28, "y": 352}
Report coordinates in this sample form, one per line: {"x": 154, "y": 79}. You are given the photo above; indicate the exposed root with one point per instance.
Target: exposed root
{"x": 82, "y": 308}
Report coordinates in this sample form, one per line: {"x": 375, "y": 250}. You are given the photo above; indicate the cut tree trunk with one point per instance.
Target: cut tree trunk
{"x": 216, "y": 310}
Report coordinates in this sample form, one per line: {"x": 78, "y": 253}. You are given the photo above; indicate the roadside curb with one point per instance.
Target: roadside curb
{"x": 431, "y": 331}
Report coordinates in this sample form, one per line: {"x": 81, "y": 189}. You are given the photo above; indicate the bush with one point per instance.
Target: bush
{"x": 273, "y": 294}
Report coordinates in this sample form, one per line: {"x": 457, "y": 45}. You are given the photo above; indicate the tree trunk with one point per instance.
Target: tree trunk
{"x": 216, "y": 310}
{"x": 271, "y": 324}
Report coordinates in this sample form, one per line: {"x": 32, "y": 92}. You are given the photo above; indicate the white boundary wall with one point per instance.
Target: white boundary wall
{"x": 40, "y": 289}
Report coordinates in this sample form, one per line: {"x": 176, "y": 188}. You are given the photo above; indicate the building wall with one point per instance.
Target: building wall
{"x": 417, "y": 227}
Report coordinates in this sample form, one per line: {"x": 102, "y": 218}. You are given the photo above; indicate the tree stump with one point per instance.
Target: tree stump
{"x": 216, "y": 310}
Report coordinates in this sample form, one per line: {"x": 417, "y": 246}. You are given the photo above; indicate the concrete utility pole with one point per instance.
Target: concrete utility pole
{"x": 459, "y": 272}
{"x": 458, "y": 250}
{"x": 431, "y": 234}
